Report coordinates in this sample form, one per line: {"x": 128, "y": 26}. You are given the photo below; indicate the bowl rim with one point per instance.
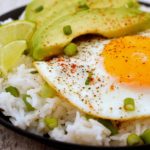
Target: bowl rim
{"x": 14, "y": 14}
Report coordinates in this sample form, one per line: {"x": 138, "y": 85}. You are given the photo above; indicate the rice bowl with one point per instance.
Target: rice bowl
{"x": 73, "y": 125}
{"x": 79, "y": 129}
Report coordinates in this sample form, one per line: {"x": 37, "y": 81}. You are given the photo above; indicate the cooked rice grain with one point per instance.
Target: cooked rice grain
{"x": 73, "y": 126}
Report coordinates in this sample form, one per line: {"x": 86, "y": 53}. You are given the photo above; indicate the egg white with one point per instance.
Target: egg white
{"x": 96, "y": 99}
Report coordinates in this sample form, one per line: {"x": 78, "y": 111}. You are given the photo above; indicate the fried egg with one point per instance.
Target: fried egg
{"x": 102, "y": 75}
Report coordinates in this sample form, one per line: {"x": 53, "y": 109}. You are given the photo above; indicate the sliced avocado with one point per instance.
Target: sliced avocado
{"x": 50, "y": 40}
{"x": 49, "y": 7}
{"x": 38, "y": 7}
{"x": 39, "y": 10}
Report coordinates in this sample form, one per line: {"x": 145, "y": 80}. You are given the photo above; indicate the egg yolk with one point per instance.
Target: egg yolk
{"x": 128, "y": 59}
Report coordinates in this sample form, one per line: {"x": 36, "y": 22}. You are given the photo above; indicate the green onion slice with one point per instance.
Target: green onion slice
{"x": 146, "y": 136}
{"x": 67, "y": 30}
{"x": 108, "y": 124}
{"x": 13, "y": 91}
{"x": 129, "y": 104}
{"x": 134, "y": 140}
{"x": 51, "y": 122}
{"x": 47, "y": 91}
{"x": 29, "y": 107}
{"x": 71, "y": 49}
{"x": 88, "y": 80}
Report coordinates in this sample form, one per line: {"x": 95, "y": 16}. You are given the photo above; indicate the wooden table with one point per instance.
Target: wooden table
{"x": 12, "y": 141}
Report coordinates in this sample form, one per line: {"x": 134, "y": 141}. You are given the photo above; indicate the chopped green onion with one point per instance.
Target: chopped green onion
{"x": 29, "y": 107}
{"x": 51, "y": 122}
{"x": 129, "y": 104}
{"x": 13, "y": 91}
{"x": 87, "y": 82}
{"x": 47, "y": 91}
{"x": 39, "y": 9}
{"x": 146, "y": 136}
{"x": 71, "y": 49}
{"x": 67, "y": 30}
{"x": 134, "y": 140}
{"x": 108, "y": 124}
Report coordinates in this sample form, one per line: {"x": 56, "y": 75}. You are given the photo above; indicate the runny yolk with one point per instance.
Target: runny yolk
{"x": 128, "y": 59}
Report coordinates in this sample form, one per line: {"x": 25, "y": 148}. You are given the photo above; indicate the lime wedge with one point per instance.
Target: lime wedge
{"x": 10, "y": 55}
{"x": 17, "y": 30}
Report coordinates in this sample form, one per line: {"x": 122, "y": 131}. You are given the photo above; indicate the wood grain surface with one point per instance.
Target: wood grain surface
{"x": 12, "y": 141}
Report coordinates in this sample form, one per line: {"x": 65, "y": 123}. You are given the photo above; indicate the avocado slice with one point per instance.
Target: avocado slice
{"x": 49, "y": 40}
{"x": 54, "y": 9}
{"x": 37, "y": 8}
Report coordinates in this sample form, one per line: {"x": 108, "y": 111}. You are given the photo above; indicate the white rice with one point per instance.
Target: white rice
{"x": 73, "y": 126}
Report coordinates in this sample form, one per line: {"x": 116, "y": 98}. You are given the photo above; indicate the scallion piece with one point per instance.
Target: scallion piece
{"x": 39, "y": 9}
{"x": 29, "y": 107}
{"x": 71, "y": 49}
{"x": 108, "y": 124}
{"x": 134, "y": 140}
{"x": 67, "y": 30}
{"x": 51, "y": 122}
{"x": 47, "y": 91}
{"x": 129, "y": 104}
{"x": 146, "y": 136}
{"x": 88, "y": 80}
{"x": 13, "y": 91}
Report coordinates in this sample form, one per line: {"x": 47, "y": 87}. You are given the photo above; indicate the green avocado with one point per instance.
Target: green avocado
{"x": 37, "y": 8}
{"x": 40, "y": 10}
{"x": 50, "y": 40}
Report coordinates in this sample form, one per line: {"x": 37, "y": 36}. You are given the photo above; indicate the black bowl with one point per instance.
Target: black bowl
{"x": 52, "y": 143}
